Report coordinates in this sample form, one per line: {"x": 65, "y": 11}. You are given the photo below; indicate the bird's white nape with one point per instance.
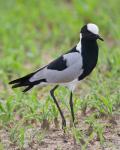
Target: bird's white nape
{"x": 78, "y": 47}
{"x": 93, "y": 28}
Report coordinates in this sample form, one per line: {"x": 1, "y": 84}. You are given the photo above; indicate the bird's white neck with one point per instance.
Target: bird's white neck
{"x": 78, "y": 47}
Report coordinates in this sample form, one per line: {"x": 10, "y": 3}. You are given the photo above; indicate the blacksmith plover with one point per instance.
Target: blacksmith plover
{"x": 67, "y": 69}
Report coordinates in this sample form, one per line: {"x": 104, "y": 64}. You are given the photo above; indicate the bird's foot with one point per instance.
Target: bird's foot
{"x": 64, "y": 130}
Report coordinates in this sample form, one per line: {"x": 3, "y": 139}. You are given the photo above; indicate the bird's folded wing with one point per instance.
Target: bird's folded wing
{"x": 64, "y": 69}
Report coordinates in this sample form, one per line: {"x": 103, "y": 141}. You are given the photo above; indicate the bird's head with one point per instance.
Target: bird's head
{"x": 90, "y": 31}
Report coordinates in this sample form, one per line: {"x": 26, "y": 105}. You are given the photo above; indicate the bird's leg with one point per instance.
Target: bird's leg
{"x": 71, "y": 107}
{"x": 61, "y": 113}
{"x": 72, "y": 113}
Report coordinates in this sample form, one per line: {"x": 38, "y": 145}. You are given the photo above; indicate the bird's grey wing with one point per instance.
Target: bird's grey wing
{"x": 64, "y": 69}
{"x": 72, "y": 69}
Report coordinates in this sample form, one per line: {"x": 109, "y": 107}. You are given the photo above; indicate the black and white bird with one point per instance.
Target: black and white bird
{"x": 68, "y": 69}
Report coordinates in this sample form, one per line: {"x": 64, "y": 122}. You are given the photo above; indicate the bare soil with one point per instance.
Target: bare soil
{"x": 54, "y": 139}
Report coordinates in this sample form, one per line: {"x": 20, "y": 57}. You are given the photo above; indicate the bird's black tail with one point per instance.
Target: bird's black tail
{"x": 24, "y": 81}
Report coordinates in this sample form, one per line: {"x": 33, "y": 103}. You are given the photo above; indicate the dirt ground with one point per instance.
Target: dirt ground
{"x": 53, "y": 139}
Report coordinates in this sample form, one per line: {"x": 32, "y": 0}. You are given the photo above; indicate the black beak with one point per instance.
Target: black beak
{"x": 100, "y": 38}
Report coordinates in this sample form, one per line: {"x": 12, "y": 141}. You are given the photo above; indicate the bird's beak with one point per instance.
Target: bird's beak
{"x": 100, "y": 38}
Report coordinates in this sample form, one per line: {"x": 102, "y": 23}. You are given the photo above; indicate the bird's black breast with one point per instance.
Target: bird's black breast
{"x": 90, "y": 56}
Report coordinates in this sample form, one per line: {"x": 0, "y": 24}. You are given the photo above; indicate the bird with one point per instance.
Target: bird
{"x": 68, "y": 69}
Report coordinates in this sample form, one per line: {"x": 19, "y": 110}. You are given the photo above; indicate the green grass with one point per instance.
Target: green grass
{"x": 33, "y": 33}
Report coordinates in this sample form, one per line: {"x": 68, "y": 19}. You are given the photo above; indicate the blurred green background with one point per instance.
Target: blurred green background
{"x": 30, "y": 29}
{"x": 32, "y": 33}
